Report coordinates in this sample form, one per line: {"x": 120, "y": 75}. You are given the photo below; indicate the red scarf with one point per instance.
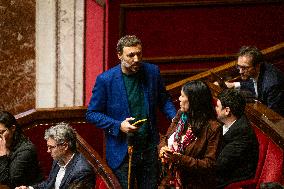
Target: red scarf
{"x": 180, "y": 143}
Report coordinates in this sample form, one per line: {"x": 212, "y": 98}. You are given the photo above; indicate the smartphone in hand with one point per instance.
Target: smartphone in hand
{"x": 139, "y": 122}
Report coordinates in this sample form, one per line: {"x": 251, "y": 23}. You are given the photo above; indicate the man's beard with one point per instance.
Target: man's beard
{"x": 125, "y": 64}
{"x": 133, "y": 69}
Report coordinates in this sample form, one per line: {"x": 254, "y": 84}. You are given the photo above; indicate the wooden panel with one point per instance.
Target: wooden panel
{"x": 196, "y": 29}
{"x": 172, "y": 76}
{"x": 202, "y": 27}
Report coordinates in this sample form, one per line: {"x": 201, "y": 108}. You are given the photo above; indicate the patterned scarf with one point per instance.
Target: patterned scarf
{"x": 173, "y": 178}
{"x": 180, "y": 141}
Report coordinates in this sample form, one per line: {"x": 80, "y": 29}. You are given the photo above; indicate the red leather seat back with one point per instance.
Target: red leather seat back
{"x": 263, "y": 145}
{"x": 36, "y": 136}
{"x": 100, "y": 183}
{"x": 273, "y": 165}
{"x": 263, "y": 142}
{"x": 93, "y": 135}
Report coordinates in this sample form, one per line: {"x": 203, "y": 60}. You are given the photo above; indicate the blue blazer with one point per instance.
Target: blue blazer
{"x": 77, "y": 170}
{"x": 108, "y": 107}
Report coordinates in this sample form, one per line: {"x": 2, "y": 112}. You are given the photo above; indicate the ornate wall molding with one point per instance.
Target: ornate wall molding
{"x": 59, "y": 53}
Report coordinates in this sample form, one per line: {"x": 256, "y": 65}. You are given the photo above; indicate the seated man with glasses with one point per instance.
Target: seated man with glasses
{"x": 69, "y": 166}
{"x": 264, "y": 81}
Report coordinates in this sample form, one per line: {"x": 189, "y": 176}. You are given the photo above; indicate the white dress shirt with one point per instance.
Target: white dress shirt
{"x": 227, "y": 127}
{"x": 238, "y": 86}
{"x": 61, "y": 173}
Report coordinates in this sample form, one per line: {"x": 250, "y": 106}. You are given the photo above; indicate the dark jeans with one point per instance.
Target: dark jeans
{"x": 144, "y": 170}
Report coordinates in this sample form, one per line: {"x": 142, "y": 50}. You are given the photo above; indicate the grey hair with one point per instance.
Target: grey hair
{"x": 62, "y": 132}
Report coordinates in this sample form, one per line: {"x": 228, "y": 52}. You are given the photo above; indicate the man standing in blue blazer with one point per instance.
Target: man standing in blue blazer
{"x": 130, "y": 91}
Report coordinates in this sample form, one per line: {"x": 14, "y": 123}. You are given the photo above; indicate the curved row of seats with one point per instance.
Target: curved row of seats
{"x": 269, "y": 168}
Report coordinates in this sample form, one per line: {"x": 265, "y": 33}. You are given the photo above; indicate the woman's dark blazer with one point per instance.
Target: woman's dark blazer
{"x": 21, "y": 166}
{"x": 198, "y": 162}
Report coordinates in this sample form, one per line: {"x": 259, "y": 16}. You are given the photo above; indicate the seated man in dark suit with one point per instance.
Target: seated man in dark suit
{"x": 238, "y": 156}
{"x": 263, "y": 80}
{"x": 69, "y": 166}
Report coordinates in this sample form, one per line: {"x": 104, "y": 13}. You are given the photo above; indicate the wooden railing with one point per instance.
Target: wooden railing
{"x": 100, "y": 166}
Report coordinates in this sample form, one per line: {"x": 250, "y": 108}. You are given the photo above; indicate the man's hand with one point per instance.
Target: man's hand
{"x": 230, "y": 84}
{"x": 216, "y": 83}
{"x": 126, "y": 127}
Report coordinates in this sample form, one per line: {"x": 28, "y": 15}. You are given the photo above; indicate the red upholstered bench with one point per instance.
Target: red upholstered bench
{"x": 269, "y": 167}
{"x": 92, "y": 135}
{"x": 273, "y": 165}
{"x": 36, "y": 135}
{"x": 100, "y": 183}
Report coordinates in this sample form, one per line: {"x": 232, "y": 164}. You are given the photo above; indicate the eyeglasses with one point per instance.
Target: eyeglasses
{"x": 50, "y": 147}
{"x": 3, "y": 131}
{"x": 243, "y": 67}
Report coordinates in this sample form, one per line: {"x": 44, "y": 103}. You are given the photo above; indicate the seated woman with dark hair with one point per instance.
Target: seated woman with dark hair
{"x": 18, "y": 157}
{"x": 188, "y": 151}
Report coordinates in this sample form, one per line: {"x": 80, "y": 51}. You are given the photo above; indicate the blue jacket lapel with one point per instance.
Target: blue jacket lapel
{"x": 119, "y": 83}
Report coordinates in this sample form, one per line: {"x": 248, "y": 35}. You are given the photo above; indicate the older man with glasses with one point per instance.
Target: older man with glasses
{"x": 264, "y": 81}
{"x": 69, "y": 166}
